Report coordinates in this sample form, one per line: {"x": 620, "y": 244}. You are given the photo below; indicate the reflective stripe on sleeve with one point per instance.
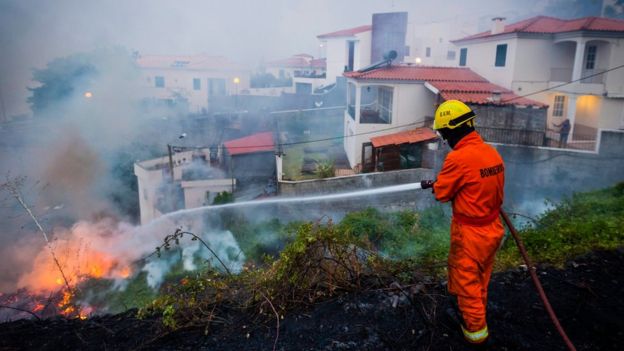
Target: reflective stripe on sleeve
{"x": 476, "y": 337}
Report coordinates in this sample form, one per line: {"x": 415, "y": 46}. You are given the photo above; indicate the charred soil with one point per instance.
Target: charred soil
{"x": 588, "y": 296}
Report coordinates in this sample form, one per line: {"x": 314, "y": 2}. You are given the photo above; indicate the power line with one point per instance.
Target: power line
{"x": 409, "y": 124}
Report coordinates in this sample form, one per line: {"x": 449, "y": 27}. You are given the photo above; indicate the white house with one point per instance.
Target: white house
{"x": 306, "y": 72}
{"x": 430, "y": 43}
{"x": 193, "y": 79}
{"x": 399, "y": 98}
{"x": 195, "y": 183}
{"x": 346, "y": 50}
{"x": 542, "y": 54}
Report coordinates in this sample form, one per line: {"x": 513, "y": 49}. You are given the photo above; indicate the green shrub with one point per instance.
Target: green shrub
{"x": 325, "y": 169}
{"x": 577, "y": 225}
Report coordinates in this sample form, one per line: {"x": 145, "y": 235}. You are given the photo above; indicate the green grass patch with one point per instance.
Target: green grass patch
{"x": 371, "y": 249}
{"x": 578, "y": 224}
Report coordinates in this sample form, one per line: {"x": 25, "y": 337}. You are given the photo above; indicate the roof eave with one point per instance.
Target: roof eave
{"x": 491, "y": 37}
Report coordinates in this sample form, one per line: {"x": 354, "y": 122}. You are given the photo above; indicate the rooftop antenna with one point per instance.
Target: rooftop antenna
{"x": 387, "y": 61}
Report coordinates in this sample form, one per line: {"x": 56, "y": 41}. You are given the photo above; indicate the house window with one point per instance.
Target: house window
{"x": 375, "y": 105}
{"x": 385, "y": 104}
{"x": 558, "y": 106}
{"x": 590, "y": 60}
{"x": 159, "y": 81}
{"x": 450, "y": 55}
{"x": 428, "y": 51}
{"x": 501, "y": 55}
{"x": 463, "y": 54}
{"x": 196, "y": 84}
{"x": 351, "y": 100}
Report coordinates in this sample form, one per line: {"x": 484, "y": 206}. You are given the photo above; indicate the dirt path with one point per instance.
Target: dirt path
{"x": 588, "y": 297}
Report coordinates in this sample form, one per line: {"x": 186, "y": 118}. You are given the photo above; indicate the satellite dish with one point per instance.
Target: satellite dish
{"x": 390, "y": 55}
{"x": 387, "y": 61}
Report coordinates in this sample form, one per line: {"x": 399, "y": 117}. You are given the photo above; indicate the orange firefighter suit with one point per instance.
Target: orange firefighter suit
{"x": 472, "y": 177}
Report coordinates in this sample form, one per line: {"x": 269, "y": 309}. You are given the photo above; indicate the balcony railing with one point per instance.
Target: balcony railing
{"x": 565, "y": 75}
{"x": 310, "y": 75}
{"x": 582, "y": 139}
{"x": 594, "y": 76}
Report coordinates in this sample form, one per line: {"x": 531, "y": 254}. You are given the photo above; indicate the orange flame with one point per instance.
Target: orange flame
{"x": 79, "y": 261}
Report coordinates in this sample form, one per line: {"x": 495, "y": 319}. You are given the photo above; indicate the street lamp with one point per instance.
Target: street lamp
{"x": 236, "y": 82}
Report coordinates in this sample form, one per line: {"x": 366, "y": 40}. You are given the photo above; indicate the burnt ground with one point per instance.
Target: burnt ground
{"x": 588, "y": 296}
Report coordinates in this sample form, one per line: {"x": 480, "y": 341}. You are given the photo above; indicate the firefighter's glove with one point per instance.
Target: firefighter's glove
{"x": 426, "y": 184}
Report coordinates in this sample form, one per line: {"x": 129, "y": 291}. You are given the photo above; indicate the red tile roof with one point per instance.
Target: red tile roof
{"x": 260, "y": 142}
{"x": 481, "y": 93}
{"x": 410, "y": 137}
{"x": 346, "y": 32}
{"x": 319, "y": 63}
{"x": 419, "y": 73}
{"x": 198, "y": 62}
{"x": 452, "y": 82}
{"x": 550, "y": 25}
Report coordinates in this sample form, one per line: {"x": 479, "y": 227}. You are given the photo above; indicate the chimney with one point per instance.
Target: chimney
{"x": 498, "y": 25}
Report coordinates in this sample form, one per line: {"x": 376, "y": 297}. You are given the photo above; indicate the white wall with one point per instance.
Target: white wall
{"x": 611, "y": 114}
{"x": 336, "y": 52}
{"x": 533, "y": 60}
{"x": 437, "y": 37}
{"x": 363, "y": 52}
{"x": 315, "y": 82}
{"x": 481, "y": 57}
{"x": 195, "y": 191}
{"x": 150, "y": 176}
{"x": 614, "y": 82}
{"x": 411, "y": 103}
{"x": 180, "y": 81}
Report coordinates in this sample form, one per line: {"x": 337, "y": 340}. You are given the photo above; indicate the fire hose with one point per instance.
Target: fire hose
{"x": 536, "y": 282}
{"x": 426, "y": 184}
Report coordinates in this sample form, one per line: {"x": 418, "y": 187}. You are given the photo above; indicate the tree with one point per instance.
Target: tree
{"x": 60, "y": 80}
{"x": 616, "y": 10}
{"x": 223, "y": 198}
{"x": 74, "y": 75}
{"x": 568, "y": 9}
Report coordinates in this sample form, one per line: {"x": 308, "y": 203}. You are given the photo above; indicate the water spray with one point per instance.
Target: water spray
{"x": 298, "y": 199}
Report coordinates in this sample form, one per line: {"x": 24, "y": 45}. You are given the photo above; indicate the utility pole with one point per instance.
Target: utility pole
{"x": 169, "y": 149}
{"x": 232, "y": 172}
{"x": 4, "y": 118}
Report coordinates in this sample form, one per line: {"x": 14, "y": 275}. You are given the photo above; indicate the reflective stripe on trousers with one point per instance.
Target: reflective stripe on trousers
{"x": 476, "y": 337}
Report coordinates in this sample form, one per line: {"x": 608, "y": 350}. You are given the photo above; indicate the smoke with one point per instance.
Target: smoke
{"x": 113, "y": 250}
{"x": 78, "y": 154}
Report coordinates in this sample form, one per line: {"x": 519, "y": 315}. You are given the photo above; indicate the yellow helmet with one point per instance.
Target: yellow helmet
{"x": 452, "y": 114}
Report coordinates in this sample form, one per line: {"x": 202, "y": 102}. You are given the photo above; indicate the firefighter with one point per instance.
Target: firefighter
{"x": 472, "y": 177}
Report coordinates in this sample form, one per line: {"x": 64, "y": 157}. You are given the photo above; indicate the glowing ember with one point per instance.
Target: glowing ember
{"x": 38, "y": 307}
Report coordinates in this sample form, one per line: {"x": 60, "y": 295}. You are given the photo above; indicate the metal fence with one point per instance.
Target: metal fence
{"x": 512, "y": 136}
{"x": 549, "y": 138}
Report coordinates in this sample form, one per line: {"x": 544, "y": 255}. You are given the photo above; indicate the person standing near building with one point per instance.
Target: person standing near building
{"x": 472, "y": 178}
{"x": 564, "y": 131}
